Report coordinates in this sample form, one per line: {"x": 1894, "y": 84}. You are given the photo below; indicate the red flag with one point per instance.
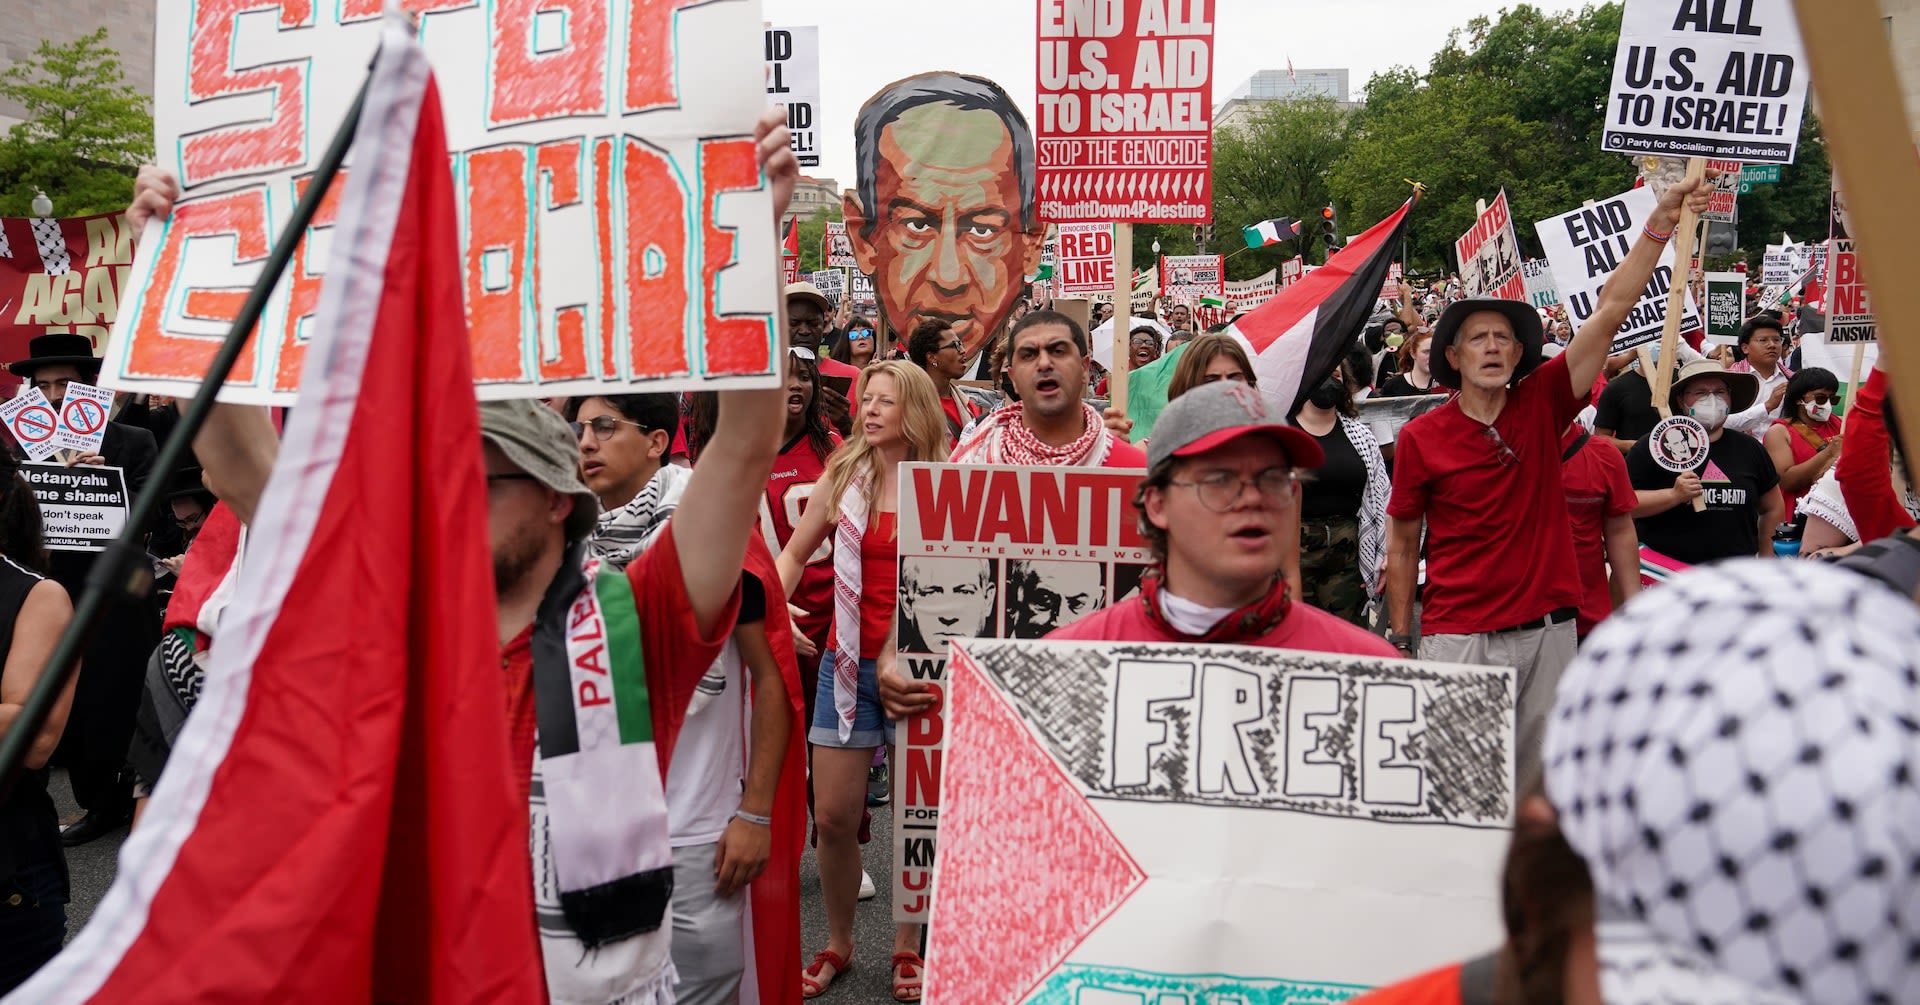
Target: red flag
{"x": 338, "y": 822}
{"x": 773, "y": 906}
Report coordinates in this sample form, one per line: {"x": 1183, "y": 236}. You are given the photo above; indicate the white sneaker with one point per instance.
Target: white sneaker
{"x": 867, "y": 890}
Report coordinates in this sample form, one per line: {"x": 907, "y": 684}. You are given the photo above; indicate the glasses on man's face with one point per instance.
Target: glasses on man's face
{"x": 603, "y": 426}
{"x": 1504, "y": 452}
{"x": 1767, "y": 340}
{"x": 1220, "y": 491}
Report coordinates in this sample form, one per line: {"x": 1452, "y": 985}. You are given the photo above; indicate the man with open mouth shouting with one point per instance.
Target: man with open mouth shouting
{"x": 1051, "y": 423}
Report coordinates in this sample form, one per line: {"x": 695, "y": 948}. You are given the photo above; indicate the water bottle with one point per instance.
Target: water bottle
{"x": 1786, "y": 539}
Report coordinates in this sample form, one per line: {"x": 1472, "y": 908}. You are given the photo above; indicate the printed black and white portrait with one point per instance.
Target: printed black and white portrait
{"x": 943, "y": 599}
{"x": 1042, "y": 596}
{"x": 1126, "y": 580}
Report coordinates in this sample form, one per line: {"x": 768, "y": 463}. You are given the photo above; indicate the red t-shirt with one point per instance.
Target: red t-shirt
{"x": 794, "y": 473}
{"x": 1305, "y": 627}
{"x": 1597, "y": 488}
{"x": 1498, "y": 551}
{"x": 1436, "y": 987}
{"x": 1866, "y": 481}
{"x": 1124, "y": 455}
{"x": 879, "y": 582}
{"x": 670, "y": 641}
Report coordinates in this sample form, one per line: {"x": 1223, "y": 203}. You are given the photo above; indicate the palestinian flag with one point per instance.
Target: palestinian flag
{"x": 790, "y": 253}
{"x": 1299, "y": 336}
{"x": 337, "y": 821}
{"x": 1268, "y": 233}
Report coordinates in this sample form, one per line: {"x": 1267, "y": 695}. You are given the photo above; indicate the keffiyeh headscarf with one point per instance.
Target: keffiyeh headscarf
{"x": 1002, "y": 437}
{"x": 1748, "y": 803}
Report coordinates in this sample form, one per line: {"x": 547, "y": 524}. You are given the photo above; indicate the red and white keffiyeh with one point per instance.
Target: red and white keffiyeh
{"x": 846, "y": 604}
{"x": 1003, "y": 438}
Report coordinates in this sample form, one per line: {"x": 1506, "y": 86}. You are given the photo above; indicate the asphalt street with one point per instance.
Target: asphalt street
{"x": 869, "y": 981}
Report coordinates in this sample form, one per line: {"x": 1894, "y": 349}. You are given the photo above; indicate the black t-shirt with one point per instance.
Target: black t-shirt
{"x": 1626, "y": 407}
{"x": 1400, "y": 387}
{"x": 1737, "y": 475}
{"x": 1339, "y": 484}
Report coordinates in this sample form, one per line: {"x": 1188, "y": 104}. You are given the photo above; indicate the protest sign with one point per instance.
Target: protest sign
{"x": 83, "y": 418}
{"x": 1125, "y": 103}
{"x": 1679, "y": 443}
{"x": 1387, "y": 416}
{"x": 60, "y": 276}
{"x": 82, "y": 508}
{"x": 31, "y": 421}
{"x": 992, "y": 552}
{"x": 1541, "y": 291}
{"x": 1584, "y": 247}
{"x": 1779, "y": 263}
{"x": 1699, "y": 79}
{"x": 1291, "y": 270}
{"x": 1213, "y": 823}
{"x": 793, "y": 80}
{"x": 1722, "y": 175}
{"x": 863, "y": 296}
{"x": 1849, "y": 308}
{"x": 1489, "y": 255}
{"x": 832, "y": 284}
{"x": 1726, "y": 306}
{"x": 1086, "y": 259}
{"x": 617, "y": 233}
{"x": 1390, "y": 290}
{"x": 1246, "y": 294}
{"x": 1188, "y": 278}
{"x": 839, "y": 251}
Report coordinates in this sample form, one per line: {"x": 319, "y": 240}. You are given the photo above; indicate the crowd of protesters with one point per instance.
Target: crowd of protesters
{"x": 756, "y": 532}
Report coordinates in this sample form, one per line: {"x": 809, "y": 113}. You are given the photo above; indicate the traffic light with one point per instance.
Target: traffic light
{"x": 1330, "y": 228}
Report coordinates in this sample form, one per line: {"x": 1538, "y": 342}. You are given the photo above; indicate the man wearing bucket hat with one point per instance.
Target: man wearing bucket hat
{"x": 94, "y": 747}
{"x": 1739, "y": 482}
{"x": 1482, "y": 473}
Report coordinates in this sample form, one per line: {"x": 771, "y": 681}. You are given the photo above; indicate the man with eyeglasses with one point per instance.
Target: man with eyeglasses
{"x": 1482, "y": 474}
{"x": 1763, "y": 345}
{"x": 935, "y": 348}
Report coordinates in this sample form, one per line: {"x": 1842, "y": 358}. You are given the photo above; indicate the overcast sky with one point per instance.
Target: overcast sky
{"x": 866, "y": 44}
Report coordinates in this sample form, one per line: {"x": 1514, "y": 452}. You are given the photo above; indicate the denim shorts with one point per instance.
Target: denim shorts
{"x": 871, "y": 727}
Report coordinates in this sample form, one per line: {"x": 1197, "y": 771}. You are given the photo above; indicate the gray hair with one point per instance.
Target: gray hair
{"x": 966, "y": 93}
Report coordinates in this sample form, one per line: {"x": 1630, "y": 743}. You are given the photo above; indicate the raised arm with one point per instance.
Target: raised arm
{"x": 722, "y": 501}
{"x": 1587, "y": 353}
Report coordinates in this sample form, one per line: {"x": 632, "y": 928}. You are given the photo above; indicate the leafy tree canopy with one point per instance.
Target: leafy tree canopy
{"x": 85, "y": 133}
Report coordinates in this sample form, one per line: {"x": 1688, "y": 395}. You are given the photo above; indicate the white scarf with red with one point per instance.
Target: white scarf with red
{"x": 851, "y": 528}
{"x": 1002, "y": 437}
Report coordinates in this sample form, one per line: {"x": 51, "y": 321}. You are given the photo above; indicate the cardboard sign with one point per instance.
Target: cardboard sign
{"x": 1211, "y": 824}
{"x": 793, "y": 80}
{"x": 1085, "y": 264}
{"x": 1585, "y": 246}
{"x": 31, "y": 420}
{"x": 617, "y": 234}
{"x": 82, "y": 508}
{"x": 1538, "y": 278}
{"x": 60, "y": 276}
{"x": 839, "y": 252}
{"x": 1188, "y": 278}
{"x": 83, "y": 418}
{"x": 992, "y": 552}
{"x": 1125, "y": 108}
{"x": 1726, "y": 306}
{"x": 1707, "y": 78}
{"x": 1679, "y": 444}
{"x": 1489, "y": 255}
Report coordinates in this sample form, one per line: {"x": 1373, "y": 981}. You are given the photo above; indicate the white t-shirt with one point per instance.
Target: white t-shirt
{"x": 709, "y": 767}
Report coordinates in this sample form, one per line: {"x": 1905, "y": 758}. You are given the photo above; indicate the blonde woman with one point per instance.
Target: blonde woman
{"x": 898, "y": 419}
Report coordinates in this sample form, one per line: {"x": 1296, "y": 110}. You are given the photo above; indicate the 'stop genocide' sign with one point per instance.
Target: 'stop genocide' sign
{"x": 1707, "y": 78}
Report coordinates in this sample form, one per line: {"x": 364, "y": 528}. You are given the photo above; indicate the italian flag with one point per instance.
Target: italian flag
{"x": 1268, "y": 233}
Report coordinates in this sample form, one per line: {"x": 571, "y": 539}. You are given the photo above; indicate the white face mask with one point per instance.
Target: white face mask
{"x": 1711, "y": 411}
{"x": 1820, "y": 413}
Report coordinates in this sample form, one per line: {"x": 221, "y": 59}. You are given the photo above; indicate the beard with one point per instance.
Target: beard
{"x": 514, "y": 558}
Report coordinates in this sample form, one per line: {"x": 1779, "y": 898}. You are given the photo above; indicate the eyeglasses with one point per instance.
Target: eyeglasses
{"x": 1817, "y": 398}
{"x": 603, "y": 426}
{"x": 1767, "y": 340}
{"x": 1219, "y": 491}
{"x": 1506, "y": 454}
{"x": 956, "y": 345}
{"x": 859, "y": 333}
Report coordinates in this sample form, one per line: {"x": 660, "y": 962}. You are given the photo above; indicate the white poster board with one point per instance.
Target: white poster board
{"x": 32, "y": 422}
{"x": 1707, "y": 78}
{"x": 793, "y": 80}
{"x": 1489, "y": 254}
{"x": 1541, "y": 291}
{"x": 84, "y": 412}
{"x": 1584, "y": 247}
{"x": 82, "y": 508}
{"x": 1085, "y": 260}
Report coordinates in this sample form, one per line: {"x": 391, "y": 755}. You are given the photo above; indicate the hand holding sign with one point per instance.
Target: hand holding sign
{"x": 83, "y": 418}
{"x": 1680, "y": 444}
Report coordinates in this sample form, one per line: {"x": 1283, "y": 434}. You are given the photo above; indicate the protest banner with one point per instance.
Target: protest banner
{"x": 83, "y": 418}
{"x": 1213, "y": 823}
{"x": 1246, "y": 294}
{"x": 1538, "y": 278}
{"x": 1699, "y": 79}
{"x": 1125, "y": 105}
{"x": 793, "y": 80}
{"x": 82, "y": 508}
{"x": 60, "y": 276}
{"x": 602, "y": 177}
{"x": 1849, "y": 308}
{"x": 1584, "y": 247}
{"x": 1489, "y": 255}
{"x": 992, "y": 552}
{"x": 1726, "y": 306}
{"x": 1188, "y": 278}
{"x": 1086, "y": 260}
{"x": 31, "y": 421}
{"x": 839, "y": 251}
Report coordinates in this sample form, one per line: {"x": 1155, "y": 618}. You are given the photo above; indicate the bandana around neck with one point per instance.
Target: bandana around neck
{"x": 1247, "y": 625}
{"x": 1002, "y": 437}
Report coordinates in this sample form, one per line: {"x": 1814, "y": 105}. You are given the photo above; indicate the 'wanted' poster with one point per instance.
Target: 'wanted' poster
{"x": 1489, "y": 255}
{"x": 1585, "y": 246}
{"x": 999, "y": 553}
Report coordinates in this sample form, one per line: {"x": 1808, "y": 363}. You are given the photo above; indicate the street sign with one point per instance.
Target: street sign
{"x": 1760, "y": 174}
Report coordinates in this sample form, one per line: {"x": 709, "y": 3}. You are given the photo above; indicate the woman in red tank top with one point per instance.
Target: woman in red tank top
{"x": 898, "y": 419}
{"x": 1805, "y": 441}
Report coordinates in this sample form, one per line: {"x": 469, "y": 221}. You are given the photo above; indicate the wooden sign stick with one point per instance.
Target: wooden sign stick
{"x": 1677, "y": 294}
{"x": 1122, "y": 315}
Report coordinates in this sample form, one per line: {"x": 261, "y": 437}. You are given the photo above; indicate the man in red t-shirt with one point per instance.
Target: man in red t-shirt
{"x": 1600, "y": 502}
{"x": 1482, "y": 473}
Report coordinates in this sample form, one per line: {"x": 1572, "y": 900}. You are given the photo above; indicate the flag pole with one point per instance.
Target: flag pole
{"x": 119, "y": 572}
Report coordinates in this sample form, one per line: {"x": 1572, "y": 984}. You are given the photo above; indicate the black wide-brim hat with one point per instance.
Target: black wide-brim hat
{"x": 58, "y": 350}
{"x": 1526, "y": 328}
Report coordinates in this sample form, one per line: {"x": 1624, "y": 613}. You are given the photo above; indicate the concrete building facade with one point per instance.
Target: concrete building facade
{"x": 129, "y": 25}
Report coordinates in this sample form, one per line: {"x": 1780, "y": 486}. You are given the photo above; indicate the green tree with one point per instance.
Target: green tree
{"x": 1276, "y": 165}
{"x": 85, "y": 133}
{"x": 1798, "y": 205}
{"x": 813, "y": 234}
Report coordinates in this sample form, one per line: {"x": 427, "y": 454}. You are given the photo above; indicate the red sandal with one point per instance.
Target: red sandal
{"x": 811, "y": 985}
{"x": 906, "y": 987}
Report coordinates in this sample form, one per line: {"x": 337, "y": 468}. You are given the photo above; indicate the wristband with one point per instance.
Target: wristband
{"x": 1656, "y": 235}
{"x": 753, "y": 818}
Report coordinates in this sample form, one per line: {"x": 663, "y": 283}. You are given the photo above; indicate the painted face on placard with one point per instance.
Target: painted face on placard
{"x": 1043, "y": 596}
{"x": 946, "y": 236}
{"x": 947, "y": 599}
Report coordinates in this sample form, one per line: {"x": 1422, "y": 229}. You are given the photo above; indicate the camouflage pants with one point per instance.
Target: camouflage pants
{"x": 1330, "y": 567}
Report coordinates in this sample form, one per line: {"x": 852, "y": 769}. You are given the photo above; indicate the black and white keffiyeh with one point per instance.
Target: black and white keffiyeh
{"x": 1736, "y": 761}
{"x": 622, "y": 534}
